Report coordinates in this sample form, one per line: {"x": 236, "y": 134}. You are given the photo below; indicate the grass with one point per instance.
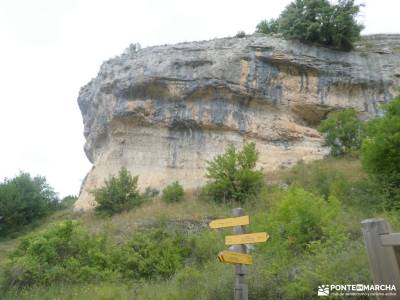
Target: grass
{"x": 123, "y": 225}
{"x": 348, "y": 166}
{"x": 278, "y": 272}
{"x": 105, "y": 291}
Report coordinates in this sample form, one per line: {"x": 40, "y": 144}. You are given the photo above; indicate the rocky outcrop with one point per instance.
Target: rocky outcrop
{"x": 163, "y": 111}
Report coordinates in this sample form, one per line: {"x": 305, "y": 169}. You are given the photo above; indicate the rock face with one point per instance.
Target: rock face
{"x": 163, "y": 111}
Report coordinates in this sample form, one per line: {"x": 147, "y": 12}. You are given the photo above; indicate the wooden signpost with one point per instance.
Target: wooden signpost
{"x": 230, "y": 257}
{"x": 238, "y": 254}
{"x": 250, "y": 238}
{"x": 230, "y": 222}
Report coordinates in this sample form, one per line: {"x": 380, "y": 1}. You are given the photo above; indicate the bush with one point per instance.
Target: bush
{"x": 343, "y": 132}
{"x": 23, "y": 200}
{"x": 63, "y": 253}
{"x": 232, "y": 175}
{"x": 380, "y": 153}
{"x": 303, "y": 218}
{"x": 173, "y": 193}
{"x": 267, "y": 27}
{"x": 67, "y": 202}
{"x": 154, "y": 254}
{"x": 318, "y": 21}
{"x": 119, "y": 193}
{"x": 205, "y": 245}
{"x": 240, "y": 34}
{"x": 306, "y": 245}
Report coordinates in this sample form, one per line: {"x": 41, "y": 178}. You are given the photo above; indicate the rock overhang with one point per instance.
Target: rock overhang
{"x": 164, "y": 111}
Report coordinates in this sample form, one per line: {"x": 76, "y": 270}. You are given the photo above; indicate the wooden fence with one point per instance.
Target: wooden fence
{"x": 383, "y": 250}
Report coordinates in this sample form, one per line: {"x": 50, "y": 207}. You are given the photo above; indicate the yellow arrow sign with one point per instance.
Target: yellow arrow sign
{"x": 230, "y": 257}
{"x": 249, "y": 238}
{"x": 230, "y": 222}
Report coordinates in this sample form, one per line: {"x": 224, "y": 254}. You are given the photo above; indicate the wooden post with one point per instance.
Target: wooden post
{"x": 383, "y": 262}
{"x": 240, "y": 288}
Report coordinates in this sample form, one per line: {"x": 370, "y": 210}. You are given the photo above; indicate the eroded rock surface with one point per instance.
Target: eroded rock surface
{"x": 163, "y": 111}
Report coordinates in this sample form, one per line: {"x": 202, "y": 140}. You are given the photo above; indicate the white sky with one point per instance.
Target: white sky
{"x": 50, "y": 48}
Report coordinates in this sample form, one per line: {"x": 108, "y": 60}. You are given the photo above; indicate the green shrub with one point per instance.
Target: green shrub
{"x": 67, "y": 202}
{"x": 318, "y": 21}
{"x": 267, "y": 27}
{"x": 63, "y": 253}
{"x": 308, "y": 241}
{"x": 154, "y": 254}
{"x": 232, "y": 175}
{"x": 23, "y": 200}
{"x": 205, "y": 246}
{"x": 343, "y": 132}
{"x": 380, "y": 152}
{"x": 173, "y": 193}
{"x": 119, "y": 193}
{"x": 304, "y": 218}
{"x": 298, "y": 276}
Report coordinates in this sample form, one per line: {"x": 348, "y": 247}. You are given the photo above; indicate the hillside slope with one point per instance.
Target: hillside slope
{"x": 283, "y": 269}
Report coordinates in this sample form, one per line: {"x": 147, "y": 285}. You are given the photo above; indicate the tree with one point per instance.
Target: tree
{"x": 67, "y": 202}
{"x": 343, "y": 132}
{"x": 318, "y": 21}
{"x": 173, "y": 193}
{"x": 233, "y": 176}
{"x": 24, "y": 199}
{"x": 380, "y": 152}
{"x": 344, "y": 29}
{"x": 119, "y": 193}
{"x": 304, "y": 217}
{"x": 267, "y": 27}
{"x": 240, "y": 34}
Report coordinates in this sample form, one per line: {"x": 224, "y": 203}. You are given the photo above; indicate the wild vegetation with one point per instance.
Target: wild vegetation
{"x": 343, "y": 132}
{"x": 119, "y": 193}
{"x": 161, "y": 248}
{"x": 381, "y": 151}
{"x": 232, "y": 175}
{"x": 23, "y": 200}
{"x": 317, "y": 21}
{"x": 173, "y": 193}
{"x": 164, "y": 250}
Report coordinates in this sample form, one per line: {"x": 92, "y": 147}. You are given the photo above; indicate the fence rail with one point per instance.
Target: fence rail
{"x": 383, "y": 250}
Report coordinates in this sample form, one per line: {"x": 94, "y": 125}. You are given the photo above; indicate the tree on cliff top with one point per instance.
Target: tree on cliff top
{"x": 318, "y": 21}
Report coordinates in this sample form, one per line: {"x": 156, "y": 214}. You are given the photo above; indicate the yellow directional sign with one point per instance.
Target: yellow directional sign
{"x": 249, "y": 238}
{"x": 230, "y": 257}
{"x": 230, "y": 222}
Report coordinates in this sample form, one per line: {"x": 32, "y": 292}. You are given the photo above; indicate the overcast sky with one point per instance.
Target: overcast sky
{"x": 50, "y": 48}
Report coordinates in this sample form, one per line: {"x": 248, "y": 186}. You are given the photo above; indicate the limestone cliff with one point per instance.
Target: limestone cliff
{"x": 163, "y": 111}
